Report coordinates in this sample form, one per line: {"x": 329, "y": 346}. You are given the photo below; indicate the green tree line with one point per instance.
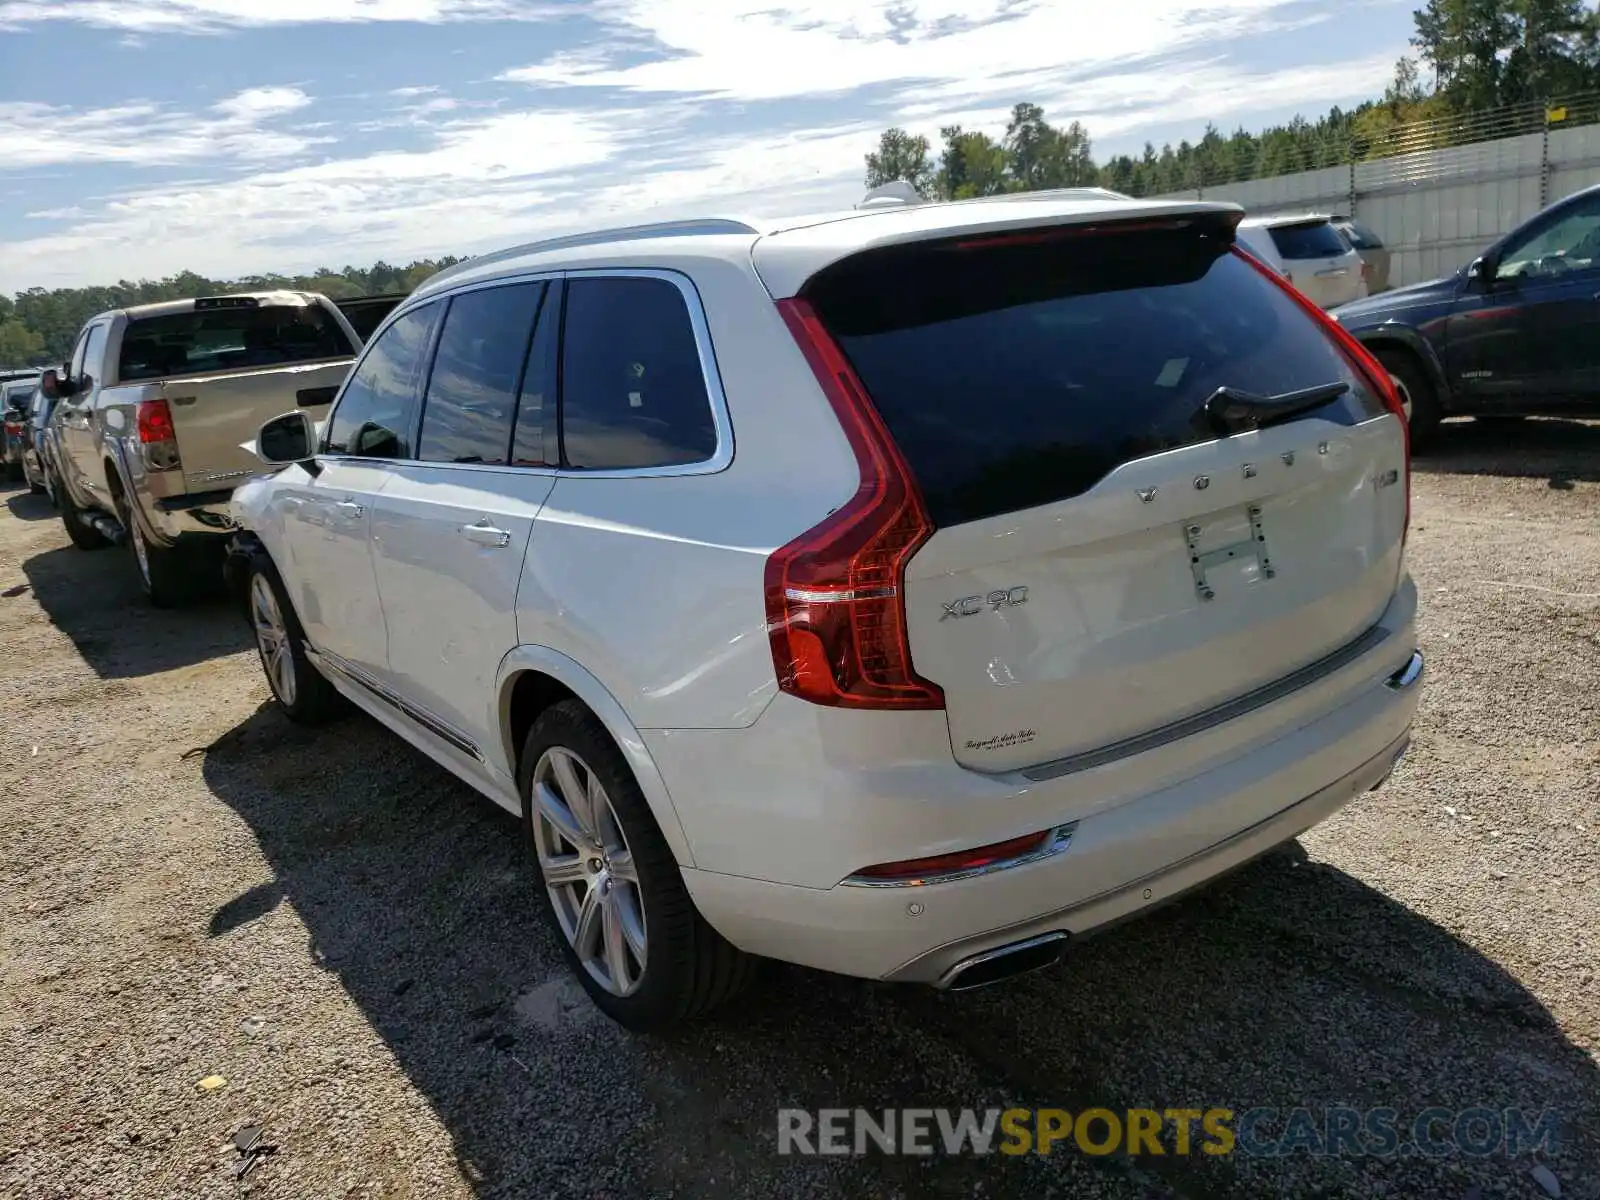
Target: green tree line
{"x": 39, "y": 326}
{"x": 1472, "y": 56}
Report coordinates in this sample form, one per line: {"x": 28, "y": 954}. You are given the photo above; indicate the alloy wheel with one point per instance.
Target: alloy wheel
{"x": 272, "y": 637}
{"x": 588, "y": 870}
{"x": 141, "y": 553}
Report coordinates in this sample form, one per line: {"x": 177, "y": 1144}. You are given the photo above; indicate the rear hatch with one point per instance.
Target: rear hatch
{"x": 1110, "y": 558}
{"x": 227, "y": 366}
{"x": 1320, "y": 262}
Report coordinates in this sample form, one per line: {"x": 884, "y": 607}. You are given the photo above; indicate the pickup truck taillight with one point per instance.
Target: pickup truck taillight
{"x": 157, "y": 437}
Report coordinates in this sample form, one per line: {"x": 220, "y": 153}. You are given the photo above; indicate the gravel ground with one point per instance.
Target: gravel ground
{"x": 348, "y": 936}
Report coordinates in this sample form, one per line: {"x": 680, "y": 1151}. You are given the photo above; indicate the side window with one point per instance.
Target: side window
{"x": 1569, "y": 243}
{"x": 472, "y": 389}
{"x": 535, "y": 442}
{"x": 374, "y": 416}
{"x": 633, "y": 392}
{"x": 93, "y": 354}
{"x": 75, "y": 364}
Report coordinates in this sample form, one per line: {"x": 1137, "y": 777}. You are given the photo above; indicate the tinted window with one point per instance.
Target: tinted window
{"x": 633, "y": 393}
{"x": 1016, "y": 375}
{"x": 229, "y": 339}
{"x": 472, "y": 390}
{"x": 534, "y": 444}
{"x": 1360, "y": 236}
{"x": 374, "y": 416}
{"x": 76, "y": 366}
{"x": 1316, "y": 240}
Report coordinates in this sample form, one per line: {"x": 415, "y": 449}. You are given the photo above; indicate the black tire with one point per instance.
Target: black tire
{"x": 84, "y": 535}
{"x": 36, "y": 488}
{"x": 310, "y": 699}
{"x": 1425, "y": 411}
{"x": 14, "y": 472}
{"x": 166, "y": 574}
{"x": 689, "y": 969}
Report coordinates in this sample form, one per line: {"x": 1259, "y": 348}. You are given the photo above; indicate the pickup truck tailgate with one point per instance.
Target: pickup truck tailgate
{"x": 213, "y": 414}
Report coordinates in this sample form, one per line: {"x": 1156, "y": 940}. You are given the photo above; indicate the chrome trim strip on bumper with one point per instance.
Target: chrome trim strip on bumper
{"x": 1058, "y": 841}
{"x": 1211, "y": 717}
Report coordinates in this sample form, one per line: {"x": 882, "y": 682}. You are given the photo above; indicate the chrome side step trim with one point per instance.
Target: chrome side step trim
{"x": 1211, "y": 717}
{"x": 428, "y": 721}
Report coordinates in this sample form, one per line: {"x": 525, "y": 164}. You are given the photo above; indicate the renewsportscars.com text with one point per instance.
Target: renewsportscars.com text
{"x": 1258, "y": 1132}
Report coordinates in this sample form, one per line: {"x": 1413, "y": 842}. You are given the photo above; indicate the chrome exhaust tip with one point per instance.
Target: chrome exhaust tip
{"x": 1005, "y": 962}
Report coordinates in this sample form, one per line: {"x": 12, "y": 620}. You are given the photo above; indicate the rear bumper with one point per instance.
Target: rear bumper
{"x": 1127, "y": 853}
{"x": 192, "y": 515}
{"x": 938, "y": 966}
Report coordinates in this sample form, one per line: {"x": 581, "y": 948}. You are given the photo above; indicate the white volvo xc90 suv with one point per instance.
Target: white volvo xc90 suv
{"x": 902, "y": 592}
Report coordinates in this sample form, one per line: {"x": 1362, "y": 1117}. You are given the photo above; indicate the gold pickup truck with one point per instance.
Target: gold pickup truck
{"x": 154, "y": 407}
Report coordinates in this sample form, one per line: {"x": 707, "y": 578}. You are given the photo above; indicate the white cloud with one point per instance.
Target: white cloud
{"x": 724, "y": 49}
{"x": 487, "y": 176}
{"x": 257, "y": 104}
{"x": 209, "y": 16}
{"x": 145, "y": 133}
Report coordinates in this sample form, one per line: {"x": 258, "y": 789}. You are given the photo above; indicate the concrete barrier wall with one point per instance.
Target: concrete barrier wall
{"x": 1435, "y": 209}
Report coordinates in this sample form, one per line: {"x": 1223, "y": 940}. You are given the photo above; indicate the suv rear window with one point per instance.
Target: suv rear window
{"x": 228, "y": 339}
{"x": 1316, "y": 239}
{"x": 1016, "y": 372}
{"x": 1360, "y": 236}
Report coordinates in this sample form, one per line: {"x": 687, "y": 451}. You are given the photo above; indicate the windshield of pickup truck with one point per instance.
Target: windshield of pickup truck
{"x": 229, "y": 339}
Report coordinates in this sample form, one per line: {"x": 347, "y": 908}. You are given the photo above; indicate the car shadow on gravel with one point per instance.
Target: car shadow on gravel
{"x": 1563, "y": 452}
{"x": 1290, "y": 984}
{"x": 31, "y": 506}
{"x": 94, "y": 598}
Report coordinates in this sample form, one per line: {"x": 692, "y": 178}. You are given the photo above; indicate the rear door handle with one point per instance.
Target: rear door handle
{"x": 485, "y": 534}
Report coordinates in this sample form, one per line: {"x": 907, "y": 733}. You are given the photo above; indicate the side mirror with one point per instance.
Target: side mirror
{"x": 1482, "y": 272}
{"x": 286, "y": 439}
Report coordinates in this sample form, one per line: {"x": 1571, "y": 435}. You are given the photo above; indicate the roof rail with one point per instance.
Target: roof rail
{"x": 624, "y": 233}
{"x": 897, "y": 193}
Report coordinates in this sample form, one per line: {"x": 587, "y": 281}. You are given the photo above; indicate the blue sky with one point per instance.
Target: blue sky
{"x": 143, "y": 137}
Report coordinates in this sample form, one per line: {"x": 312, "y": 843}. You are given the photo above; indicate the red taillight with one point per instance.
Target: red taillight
{"x": 1360, "y": 358}
{"x": 14, "y": 427}
{"x": 916, "y": 869}
{"x": 835, "y": 609}
{"x": 155, "y": 422}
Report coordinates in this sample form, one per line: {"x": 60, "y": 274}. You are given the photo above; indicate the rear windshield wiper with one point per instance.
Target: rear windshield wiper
{"x": 1233, "y": 411}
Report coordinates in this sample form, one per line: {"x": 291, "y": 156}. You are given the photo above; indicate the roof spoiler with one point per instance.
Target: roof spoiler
{"x": 897, "y": 193}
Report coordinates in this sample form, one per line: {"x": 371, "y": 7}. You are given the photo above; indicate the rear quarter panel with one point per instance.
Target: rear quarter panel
{"x": 655, "y": 585}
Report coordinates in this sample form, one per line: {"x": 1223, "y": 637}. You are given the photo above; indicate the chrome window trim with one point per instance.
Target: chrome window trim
{"x": 721, "y": 457}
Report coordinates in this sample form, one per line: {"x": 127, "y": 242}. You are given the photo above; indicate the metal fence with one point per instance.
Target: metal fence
{"x": 1437, "y": 192}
